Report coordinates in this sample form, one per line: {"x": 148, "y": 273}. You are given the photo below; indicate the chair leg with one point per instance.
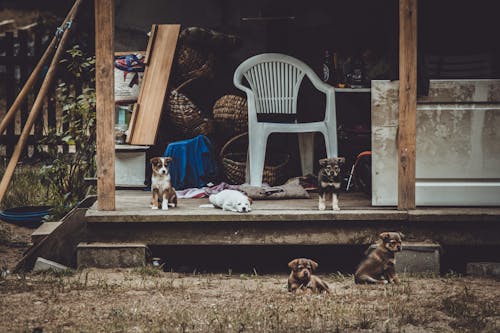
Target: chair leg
{"x": 306, "y": 149}
{"x": 331, "y": 145}
{"x": 256, "y": 156}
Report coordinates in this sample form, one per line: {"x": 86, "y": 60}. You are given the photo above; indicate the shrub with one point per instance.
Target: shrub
{"x": 66, "y": 173}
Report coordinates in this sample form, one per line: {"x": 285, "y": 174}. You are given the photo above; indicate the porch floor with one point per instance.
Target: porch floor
{"x": 296, "y": 222}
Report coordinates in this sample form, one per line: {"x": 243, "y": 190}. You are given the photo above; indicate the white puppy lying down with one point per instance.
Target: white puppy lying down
{"x": 231, "y": 200}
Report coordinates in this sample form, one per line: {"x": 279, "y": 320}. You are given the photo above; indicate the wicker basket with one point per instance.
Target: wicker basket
{"x": 234, "y": 164}
{"x": 190, "y": 61}
{"x": 231, "y": 114}
{"x": 186, "y": 116}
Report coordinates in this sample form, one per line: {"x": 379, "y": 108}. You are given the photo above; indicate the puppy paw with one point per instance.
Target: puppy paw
{"x": 336, "y": 208}
{"x": 321, "y": 206}
{"x": 154, "y": 207}
{"x": 164, "y": 206}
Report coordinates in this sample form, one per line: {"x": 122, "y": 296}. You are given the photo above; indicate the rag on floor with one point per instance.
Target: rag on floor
{"x": 193, "y": 163}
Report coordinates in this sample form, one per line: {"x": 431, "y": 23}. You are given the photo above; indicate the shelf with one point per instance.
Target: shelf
{"x": 353, "y": 90}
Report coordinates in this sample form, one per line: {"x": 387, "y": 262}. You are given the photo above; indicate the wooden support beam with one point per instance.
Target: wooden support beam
{"x": 37, "y": 106}
{"x": 105, "y": 103}
{"x": 407, "y": 103}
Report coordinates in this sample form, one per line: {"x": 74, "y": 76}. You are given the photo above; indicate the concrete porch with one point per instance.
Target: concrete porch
{"x": 287, "y": 222}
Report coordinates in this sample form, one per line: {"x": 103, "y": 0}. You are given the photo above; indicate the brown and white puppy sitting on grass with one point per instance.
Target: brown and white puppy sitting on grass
{"x": 379, "y": 265}
{"x": 301, "y": 278}
{"x": 329, "y": 181}
{"x": 161, "y": 185}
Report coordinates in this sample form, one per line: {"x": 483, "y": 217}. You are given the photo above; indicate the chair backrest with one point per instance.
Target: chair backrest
{"x": 274, "y": 80}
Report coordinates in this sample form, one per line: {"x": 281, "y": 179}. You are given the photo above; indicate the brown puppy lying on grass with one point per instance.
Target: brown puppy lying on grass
{"x": 301, "y": 278}
{"x": 379, "y": 266}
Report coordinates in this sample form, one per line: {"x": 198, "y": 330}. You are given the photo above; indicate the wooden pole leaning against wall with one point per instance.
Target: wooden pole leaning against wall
{"x": 105, "y": 103}
{"x": 37, "y": 105}
{"x": 34, "y": 75}
{"x": 406, "y": 139}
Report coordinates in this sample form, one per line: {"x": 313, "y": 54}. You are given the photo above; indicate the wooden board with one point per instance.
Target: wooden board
{"x": 60, "y": 244}
{"x": 159, "y": 57}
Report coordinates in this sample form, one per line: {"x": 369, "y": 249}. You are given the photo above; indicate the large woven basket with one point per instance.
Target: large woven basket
{"x": 234, "y": 164}
{"x": 186, "y": 116}
{"x": 231, "y": 114}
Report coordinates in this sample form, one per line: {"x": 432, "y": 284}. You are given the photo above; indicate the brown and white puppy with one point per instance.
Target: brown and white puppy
{"x": 329, "y": 181}
{"x": 161, "y": 185}
{"x": 379, "y": 265}
{"x": 302, "y": 279}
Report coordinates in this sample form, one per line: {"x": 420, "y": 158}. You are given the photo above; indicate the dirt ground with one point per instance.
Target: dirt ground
{"x": 150, "y": 300}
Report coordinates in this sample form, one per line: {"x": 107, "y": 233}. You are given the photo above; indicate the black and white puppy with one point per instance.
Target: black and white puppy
{"x": 329, "y": 181}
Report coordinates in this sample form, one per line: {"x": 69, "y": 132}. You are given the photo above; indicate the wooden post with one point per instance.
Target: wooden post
{"x": 407, "y": 103}
{"x": 105, "y": 103}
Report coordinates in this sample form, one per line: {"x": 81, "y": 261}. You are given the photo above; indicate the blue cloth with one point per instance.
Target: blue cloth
{"x": 193, "y": 162}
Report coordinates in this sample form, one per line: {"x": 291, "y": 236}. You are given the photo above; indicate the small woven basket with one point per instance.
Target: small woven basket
{"x": 234, "y": 164}
{"x": 231, "y": 114}
{"x": 187, "y": 116}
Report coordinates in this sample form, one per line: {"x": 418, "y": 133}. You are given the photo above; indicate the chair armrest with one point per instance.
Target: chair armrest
{"x": 237, "y": 81}
{"x": 318, "y": 83}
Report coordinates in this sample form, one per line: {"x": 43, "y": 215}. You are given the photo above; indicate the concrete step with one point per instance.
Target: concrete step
{"x": 418, "y": 257}
{"x": 483, "y": 269}
{"x": 111, "y": 255}
{"x": 43, "y": 231}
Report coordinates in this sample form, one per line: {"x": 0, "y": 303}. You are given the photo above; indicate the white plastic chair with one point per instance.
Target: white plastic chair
{"x": 274, "y": 80}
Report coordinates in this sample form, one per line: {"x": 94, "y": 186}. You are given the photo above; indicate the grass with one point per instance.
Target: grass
{"x": 470, "y": 313}
{"x": 150, "y": 300}
{"x": 25, "y": 188}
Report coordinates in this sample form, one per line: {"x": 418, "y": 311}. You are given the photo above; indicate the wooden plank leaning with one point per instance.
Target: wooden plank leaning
{"x": 33, "y": 76}
{"x": 47, "y": 81}
{"x": 152, "y": 94}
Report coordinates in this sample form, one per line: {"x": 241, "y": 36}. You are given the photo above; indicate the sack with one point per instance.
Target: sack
{"x": 129, "y": 71}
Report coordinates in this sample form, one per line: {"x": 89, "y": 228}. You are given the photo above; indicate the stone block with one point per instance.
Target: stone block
{"x": 43, "y": 231}
{"x": 110, "y": 255}
{"x": 42, "y": 264}
{"x": 418, "y": 257}
{"x": 483, "y": 269}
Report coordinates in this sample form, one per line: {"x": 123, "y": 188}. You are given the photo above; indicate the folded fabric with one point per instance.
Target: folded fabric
{"x": 286, "y": 191}
{"x": 204, "y": 192}
{"x": 193, "y": 162}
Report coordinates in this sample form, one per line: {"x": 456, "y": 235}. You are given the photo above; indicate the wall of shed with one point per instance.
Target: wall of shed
{"x": 458, "y": 151}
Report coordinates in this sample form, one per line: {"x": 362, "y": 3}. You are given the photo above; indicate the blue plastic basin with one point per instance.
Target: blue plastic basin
{"x": 25, "y": 215}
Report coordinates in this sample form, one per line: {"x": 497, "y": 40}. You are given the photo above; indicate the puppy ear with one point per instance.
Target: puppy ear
{"x": 168, "y": 159}
{"x": 401, "y": 235}
{"x": 314, "y": 264}
{"x": 293, "y": 264}
{"x": 250, "y": 200}
{"x": 384, "y": 236}
{"x": 341, "y": 160}
{"x": 323, "y": 162}
{"x": 154, "y": 160}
